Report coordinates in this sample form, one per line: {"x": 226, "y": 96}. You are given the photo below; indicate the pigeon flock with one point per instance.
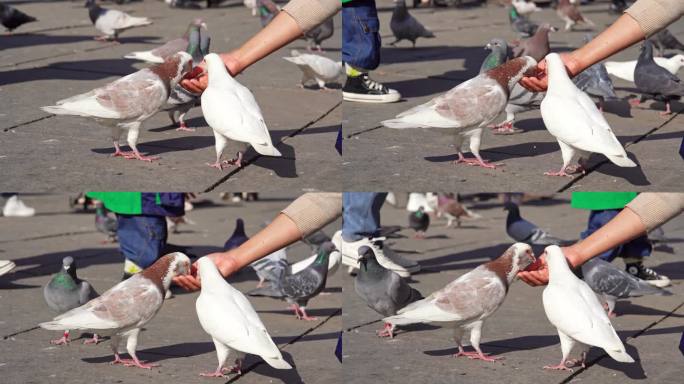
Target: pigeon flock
{"x": 125, "y": 104}
{"x": 465, "y": 110}
{"x": 579, "y": 303}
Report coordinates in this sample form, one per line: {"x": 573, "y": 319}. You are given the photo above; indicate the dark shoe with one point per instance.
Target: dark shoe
{"x": 366, "y": 90}
{"x": 647, "y": 274}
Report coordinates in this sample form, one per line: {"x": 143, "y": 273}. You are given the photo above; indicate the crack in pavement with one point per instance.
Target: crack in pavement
{"x": 284, "y": 139}
{"x": 27, "y": 123}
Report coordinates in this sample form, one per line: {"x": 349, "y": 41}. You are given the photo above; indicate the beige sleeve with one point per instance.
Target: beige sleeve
{"x": 313, "y": 211}
{"x": 654, "y": 15}
{"x": 655, "y": 208}
{"x": 310, "y": 13}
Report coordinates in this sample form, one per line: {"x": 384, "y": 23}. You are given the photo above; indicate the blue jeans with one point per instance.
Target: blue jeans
{"x": 639, "y": 247}
{"x": 360, "y": 34}
{"x": 361, "y": 214}
{"x": 141, "y": 238}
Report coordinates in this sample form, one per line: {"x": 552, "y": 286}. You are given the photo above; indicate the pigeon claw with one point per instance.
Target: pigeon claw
{"x": 484, "y": 357}
{"x": 213, "y": 374}
{"x": 184, "y": 128}
{"x": 64, "y": 340}
{"x": 559, "y": 367}
{"x": 94, "y": 340}
{"x": 126, "y": 155}
{"x": 558, "y": 173}
{"x": 387, "y": 331}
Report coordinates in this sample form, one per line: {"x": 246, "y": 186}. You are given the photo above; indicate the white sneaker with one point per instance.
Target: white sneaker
{"x": 16, "y": 208}
{"x": 385, "y": 256}
{"x": 6, "y": 266}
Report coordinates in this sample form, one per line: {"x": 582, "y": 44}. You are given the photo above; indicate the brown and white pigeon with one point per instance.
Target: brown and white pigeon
{"x": 124, "y": 309}
{"x": 468, "y": 301}
{"x": 111, "y": 22}
{"x": 449, "y": 207}
{"x": 536, "y": 46}
{"x": 571, "y": 14}
{"x": 127, "y": 102}
{"x": 468, "y": 108}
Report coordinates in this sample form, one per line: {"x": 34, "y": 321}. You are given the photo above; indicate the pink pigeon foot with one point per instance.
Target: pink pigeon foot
{"x": 634, "y": 102}
{"x": 419, "y": 235}
{"x": 64, "y": 340}
{"x": 184, "y": 128}
{"x": 558, "y": 173}
{"x": 559, "y": 367}
{"x": 140, "y": 157}
{"x": 217, "y": 373}
{"x": 386, "y": 331}
{"x": 461, "y": 353}
{"x": 667, "y": 111}
{"x": 94, "y": 340}
{"x": 476, "y": 162}
{"x": 484, "y": 357}
{"x": 124, "y": 154}
{"x": 132, "y": 363}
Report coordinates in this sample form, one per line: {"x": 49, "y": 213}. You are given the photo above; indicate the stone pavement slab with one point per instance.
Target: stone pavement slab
{"x": 48, "y": 61}
{"x": 519, "y": 331}
{"x": 393, "y": 158}
{"x": 174, "y": 337}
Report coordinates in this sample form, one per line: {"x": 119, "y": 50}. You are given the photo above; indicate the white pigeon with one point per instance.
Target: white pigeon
{"x": 525, "y": 7}
{"x": 468, "y": 301}
{"x": 252, "y": 5}
{"x": 127, "y": 102}
{"x": 316, "y": 67}
{"x": 111, "y": 22}
{"x": 572, "y": 117}
{"x": 334, "y": 261}
{"x": 574, "y": 309}
{"x": 232, "y": 112}
{"x": 625, "y": 69}
{"x": 467, "y": 108}
{"x": 228, "y": 317}
{"x": 125, "y": 308}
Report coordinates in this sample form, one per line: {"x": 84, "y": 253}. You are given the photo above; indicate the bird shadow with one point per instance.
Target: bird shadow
{"x": 634, "y": 371}
{"x": 447, "y": 262}
{"x": 619, "y": 108}
{"x": 492, "y": 350}
{"x": 317, "y": 312}
{"x": 626, "y": 307}
{"x": 308, "y": 337}
{"x": 495, "y": 154}
{"x": 64, "y": 70}
{"x": 674, "y": 270}
{"x": 9, "y": 42}
{"x": 265, "y": 370}
{"x": 633, "y": 175}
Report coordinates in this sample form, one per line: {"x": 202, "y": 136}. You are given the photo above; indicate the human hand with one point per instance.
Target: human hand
{"x": 540, "y": 275}
{"x": 539, "y": 81}
{"x": 224, "y": 262}
{"x": 198, "y": 79}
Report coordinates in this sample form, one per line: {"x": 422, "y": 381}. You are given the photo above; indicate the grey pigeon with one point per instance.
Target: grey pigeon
{"x": 654, "y": 81}
{"x": 468, "y": 301}
{"x": 320, "y": 33}
{"x": 406, "y": 27}
{"x": 297, "y": 289}
{"x": 180, "y": 99}
{"x": 316, "y": 240}
{"x": 66, "y": 291}
{"x": 267, "y": 11}
{"x": 498, "y": 54}
{"x": 124, "y": 309}
{"x": 419, "y": 221}
{"x": 271, "y": 268}
{"x": 536, "y": 46}
{"x": 466, "y": 109}
{"x": 521, "y": 24}
{"x": 595, "y": 81}
{"x": 381, "y": 289}
{"x": 524, "y": 231}
{"x": 111, "y": 22}
{"x": 11, "y": 18}
{"x": 105, "y": 223}
{"x": 663, "y": 40}
{"x": 159, "y": 54}
{"x": 612, "y": 283}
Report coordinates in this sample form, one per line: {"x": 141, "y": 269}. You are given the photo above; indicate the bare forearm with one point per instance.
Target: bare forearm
{"x": 624, "y": 227}
{"x": 624, "y": 32}
{"x": 279, "y": 32}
